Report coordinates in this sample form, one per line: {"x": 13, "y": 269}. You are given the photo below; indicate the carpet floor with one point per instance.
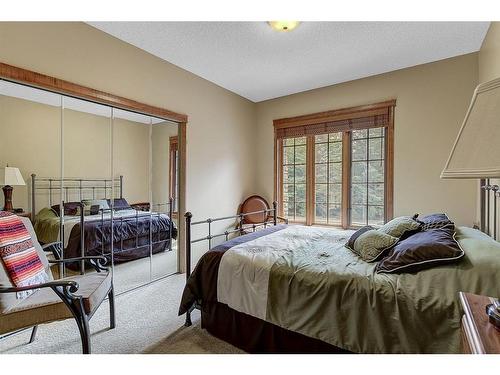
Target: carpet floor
{"x": 147, "y": 322}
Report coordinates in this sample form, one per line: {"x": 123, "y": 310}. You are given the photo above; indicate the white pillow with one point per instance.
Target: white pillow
{"x": 88, "y": 203}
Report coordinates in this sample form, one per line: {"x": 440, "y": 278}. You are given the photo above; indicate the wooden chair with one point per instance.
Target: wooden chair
{"x": 75, "y": 297}
{"x": 251, "y": 223}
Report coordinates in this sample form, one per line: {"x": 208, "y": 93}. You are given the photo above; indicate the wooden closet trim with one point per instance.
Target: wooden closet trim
{"x": 172, "y": 178}
{"x": 28, "y": 77}
{"x": 182, "y": 150}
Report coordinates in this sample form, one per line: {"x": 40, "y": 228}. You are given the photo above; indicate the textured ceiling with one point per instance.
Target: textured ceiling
{"x": 259, "y": 63}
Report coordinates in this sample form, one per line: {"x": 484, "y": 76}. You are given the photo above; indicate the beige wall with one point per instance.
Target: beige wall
{"x": 220, "y": 131}
{"x": 31, "y": 141}
{"x": 230, "y": 139}
{"x": 23, "y": 131}
{"x": 431, "y": 102}
{"x": 489, "y": 55}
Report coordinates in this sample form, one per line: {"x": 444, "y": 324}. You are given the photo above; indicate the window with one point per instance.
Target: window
{"x": 294, "y": 178}
{"x": 367, "y": 176}
{"x": 173, "y": 172}
{"x": 335, "y": 168}
{"x": 328, "y": 178}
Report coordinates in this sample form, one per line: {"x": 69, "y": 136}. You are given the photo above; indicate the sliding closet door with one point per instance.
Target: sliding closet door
{"x": 165, "y": 196}
{"x": 132, "y": 200}
{"x": 30, "y": 146}
{"x": 86, "y": 180}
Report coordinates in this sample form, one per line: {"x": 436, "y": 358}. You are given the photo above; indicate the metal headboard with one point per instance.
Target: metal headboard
{"x": 82, "y": 186}
{"x": 489, "y": 207}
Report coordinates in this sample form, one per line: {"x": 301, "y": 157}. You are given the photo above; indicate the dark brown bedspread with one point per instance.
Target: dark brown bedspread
{"x": 131, "y": 237}
{"x": 246, "y": 332}
{"x": 202, "y": 283}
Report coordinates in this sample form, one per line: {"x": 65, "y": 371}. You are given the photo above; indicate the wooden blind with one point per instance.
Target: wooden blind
{"x": 341, "y": 120}
{"x": 376, "y": 121}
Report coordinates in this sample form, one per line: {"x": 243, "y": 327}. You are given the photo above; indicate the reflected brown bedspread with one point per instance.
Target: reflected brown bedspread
{"x": 131, "y": 237}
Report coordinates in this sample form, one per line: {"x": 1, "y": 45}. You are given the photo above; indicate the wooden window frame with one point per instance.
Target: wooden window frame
{"x": 381, "y": 108}
{"x": 172, "y": 175}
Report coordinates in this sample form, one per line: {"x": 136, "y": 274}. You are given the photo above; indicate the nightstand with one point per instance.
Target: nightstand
{"x": 22, "y": 214}
{"x": 479, "y": 336}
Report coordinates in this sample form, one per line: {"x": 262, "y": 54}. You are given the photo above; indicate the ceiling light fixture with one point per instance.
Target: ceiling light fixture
{"x": 283, "y": 25}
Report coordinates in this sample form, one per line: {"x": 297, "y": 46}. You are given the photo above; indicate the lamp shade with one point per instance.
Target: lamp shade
{"x": 476, "y": 152}
{"x": 11, "y": 176}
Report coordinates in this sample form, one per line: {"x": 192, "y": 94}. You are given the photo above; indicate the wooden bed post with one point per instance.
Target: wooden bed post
{"x": 275, "y": 215}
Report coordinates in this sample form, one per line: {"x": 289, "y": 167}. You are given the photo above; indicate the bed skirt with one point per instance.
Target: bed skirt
{"x": 254, "y": 335}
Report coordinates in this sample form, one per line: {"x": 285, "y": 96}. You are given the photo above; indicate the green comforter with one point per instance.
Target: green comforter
{"x": 317, "y": 287}
{"x": 47, "y": 224}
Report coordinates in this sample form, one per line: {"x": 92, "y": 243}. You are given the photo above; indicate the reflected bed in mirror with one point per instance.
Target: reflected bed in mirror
{"x": 133, "y": 230}
{"x": 123, "y": 166}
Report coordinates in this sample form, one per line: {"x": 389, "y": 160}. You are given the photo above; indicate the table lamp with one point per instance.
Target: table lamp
{"x": 475, "y": 153}
{"x": 10, "y": 176}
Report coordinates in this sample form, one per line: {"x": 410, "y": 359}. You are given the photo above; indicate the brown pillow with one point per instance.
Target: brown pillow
{"x": 422, "y": 250}
{"x": 70, "y": 208}
{"x": 435, "y": 221}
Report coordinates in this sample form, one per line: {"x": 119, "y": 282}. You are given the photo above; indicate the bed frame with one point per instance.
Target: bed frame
{"x": 97, "y": 188}
{"x": 489, "y": 194}
{"x": 254, "y": 335}
{"x": 240, "y": 229}
{"x": 218, "y": 315}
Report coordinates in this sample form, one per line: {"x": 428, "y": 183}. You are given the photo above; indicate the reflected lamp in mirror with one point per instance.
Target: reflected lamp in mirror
{"x": 10, "y": 176}
{"x": 476, "y": 151}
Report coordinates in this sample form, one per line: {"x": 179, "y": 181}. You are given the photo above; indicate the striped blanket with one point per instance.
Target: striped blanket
{"x": 19, "y": 256}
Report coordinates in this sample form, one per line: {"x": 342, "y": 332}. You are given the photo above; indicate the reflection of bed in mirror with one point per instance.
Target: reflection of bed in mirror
{"x": 90, "y": 216}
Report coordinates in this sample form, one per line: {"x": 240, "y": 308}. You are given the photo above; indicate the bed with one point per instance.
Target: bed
{"x": 299, "y": 289}
{"x": 89, "y": 233}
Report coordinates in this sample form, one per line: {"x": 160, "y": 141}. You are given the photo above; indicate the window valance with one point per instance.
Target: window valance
{"x": 356, "y": 118}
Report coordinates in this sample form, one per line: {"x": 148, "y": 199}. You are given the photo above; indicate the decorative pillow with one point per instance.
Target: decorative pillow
{"x": 70, "y": 208}
{"x": 88, "y": 203}
{"x": 355, "y": 235}
{"x": 119, "y": 204}
{"x": 370, "y": 243}
{"x": 436, "y": 221}
{"x": 424, "y": 249}
{"x": 94, "y": 209}
{"x": 400, "y": 226}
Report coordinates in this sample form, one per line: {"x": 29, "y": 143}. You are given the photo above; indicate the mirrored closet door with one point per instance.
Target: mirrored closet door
{"x": 101, "y": 180}
{"x": 131, "y": 204}
{"x": 86, "y": 180}
{"x": 164, "y": 195}
{"x": 31, "y": 150}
